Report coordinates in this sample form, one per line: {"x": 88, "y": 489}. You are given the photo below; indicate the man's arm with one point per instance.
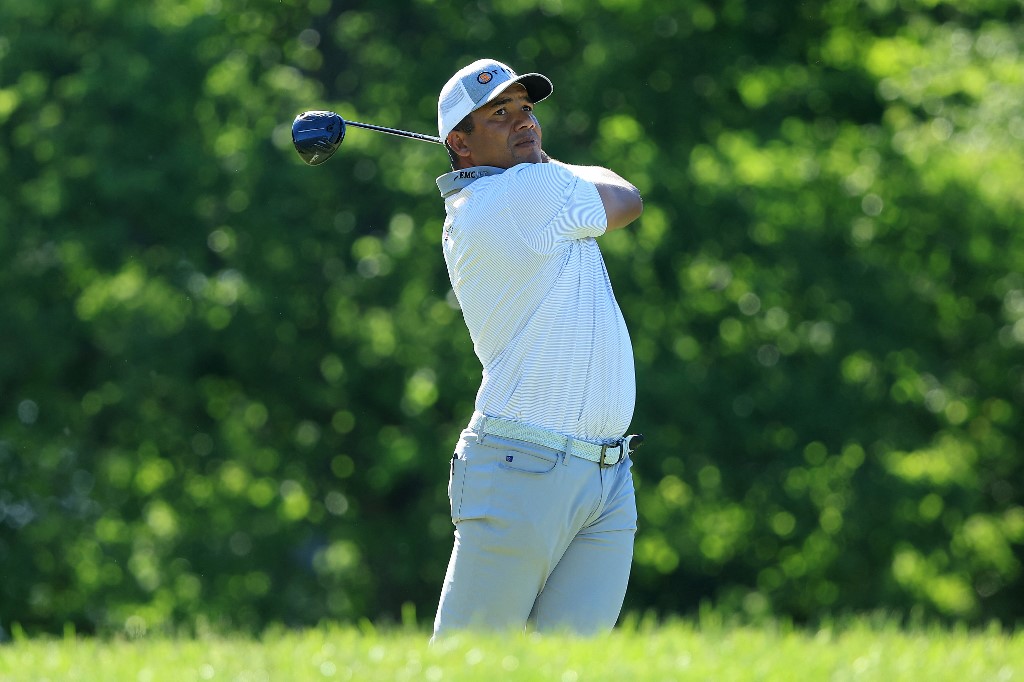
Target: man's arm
{"x": 622, "y": 201}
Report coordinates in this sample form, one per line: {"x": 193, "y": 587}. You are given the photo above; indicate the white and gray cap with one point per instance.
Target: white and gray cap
{"x": 478, "y": 83}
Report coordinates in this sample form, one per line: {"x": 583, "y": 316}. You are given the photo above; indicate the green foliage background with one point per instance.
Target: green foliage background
{"x": 230, "y": 383}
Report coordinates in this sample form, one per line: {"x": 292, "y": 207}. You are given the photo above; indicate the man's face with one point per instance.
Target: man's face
{"x": 505, "y": 133}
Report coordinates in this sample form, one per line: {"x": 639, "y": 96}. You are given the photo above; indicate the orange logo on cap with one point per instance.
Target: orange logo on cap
{"x": 484, "y": 78}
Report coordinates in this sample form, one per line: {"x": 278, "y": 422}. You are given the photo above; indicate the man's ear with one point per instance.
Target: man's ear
{"x": 457, "y": 143}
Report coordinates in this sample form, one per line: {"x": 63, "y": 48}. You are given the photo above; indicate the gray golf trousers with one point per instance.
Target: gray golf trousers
{"x": 542, "y": 540}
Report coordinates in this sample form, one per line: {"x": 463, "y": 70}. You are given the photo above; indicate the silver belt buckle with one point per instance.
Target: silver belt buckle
{"x": 626, "y": 445}
{"x": 633, "y": 442}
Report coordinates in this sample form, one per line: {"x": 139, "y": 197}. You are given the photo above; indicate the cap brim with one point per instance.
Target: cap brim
{"x": 537, "y": 86}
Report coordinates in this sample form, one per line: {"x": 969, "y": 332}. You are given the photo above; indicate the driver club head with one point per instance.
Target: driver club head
{"x": 317, "y": 135}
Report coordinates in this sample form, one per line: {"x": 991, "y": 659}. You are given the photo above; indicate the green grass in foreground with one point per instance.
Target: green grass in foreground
{"x": 676, "y": 651}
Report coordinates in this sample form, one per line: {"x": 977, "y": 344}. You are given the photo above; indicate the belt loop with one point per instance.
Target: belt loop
{"x": 480, "y": 424}
{"x": 568, "y": 451}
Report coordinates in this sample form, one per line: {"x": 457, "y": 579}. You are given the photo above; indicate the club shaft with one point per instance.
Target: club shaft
{"x": 393, "y": 131}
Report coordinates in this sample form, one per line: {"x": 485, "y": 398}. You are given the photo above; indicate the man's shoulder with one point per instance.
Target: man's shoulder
{"x": 517, "y": 184}
{"x": 549, "y": 171}
{"x": 530, "y": 175}
{"x": 536, "y": 178}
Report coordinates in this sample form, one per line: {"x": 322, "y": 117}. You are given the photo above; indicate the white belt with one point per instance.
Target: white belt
{"x": 594, "y": 452}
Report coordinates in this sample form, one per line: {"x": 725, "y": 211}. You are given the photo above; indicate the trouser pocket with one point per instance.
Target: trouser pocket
{"x": 470, "y": 482}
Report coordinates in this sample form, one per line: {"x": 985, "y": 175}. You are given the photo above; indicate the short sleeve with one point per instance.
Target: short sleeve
{"x": 553, "y": 205}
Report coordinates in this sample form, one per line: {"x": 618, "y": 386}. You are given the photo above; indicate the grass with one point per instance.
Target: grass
{"x": 639, "y": 651}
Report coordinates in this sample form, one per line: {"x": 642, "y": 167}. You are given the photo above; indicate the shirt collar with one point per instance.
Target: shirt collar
{"x": 456, "y": 181}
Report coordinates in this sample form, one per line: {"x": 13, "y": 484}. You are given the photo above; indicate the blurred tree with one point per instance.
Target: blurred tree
{"x": 229, "y": 382}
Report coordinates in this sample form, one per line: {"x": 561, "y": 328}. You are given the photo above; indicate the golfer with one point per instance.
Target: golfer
{"x": 540, "y": 486}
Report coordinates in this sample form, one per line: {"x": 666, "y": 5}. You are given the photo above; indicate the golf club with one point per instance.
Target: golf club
{"x": 318, "y": 134}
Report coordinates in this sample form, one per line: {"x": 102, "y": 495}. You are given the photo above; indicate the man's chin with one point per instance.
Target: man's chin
{"x": 531, "y": 155}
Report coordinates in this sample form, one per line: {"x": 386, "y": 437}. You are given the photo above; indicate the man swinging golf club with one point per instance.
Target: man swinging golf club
{"x": 540, "y": 486}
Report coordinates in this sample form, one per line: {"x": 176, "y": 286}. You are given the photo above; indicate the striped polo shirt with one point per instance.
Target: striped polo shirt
{"x": 527, "y": 271}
